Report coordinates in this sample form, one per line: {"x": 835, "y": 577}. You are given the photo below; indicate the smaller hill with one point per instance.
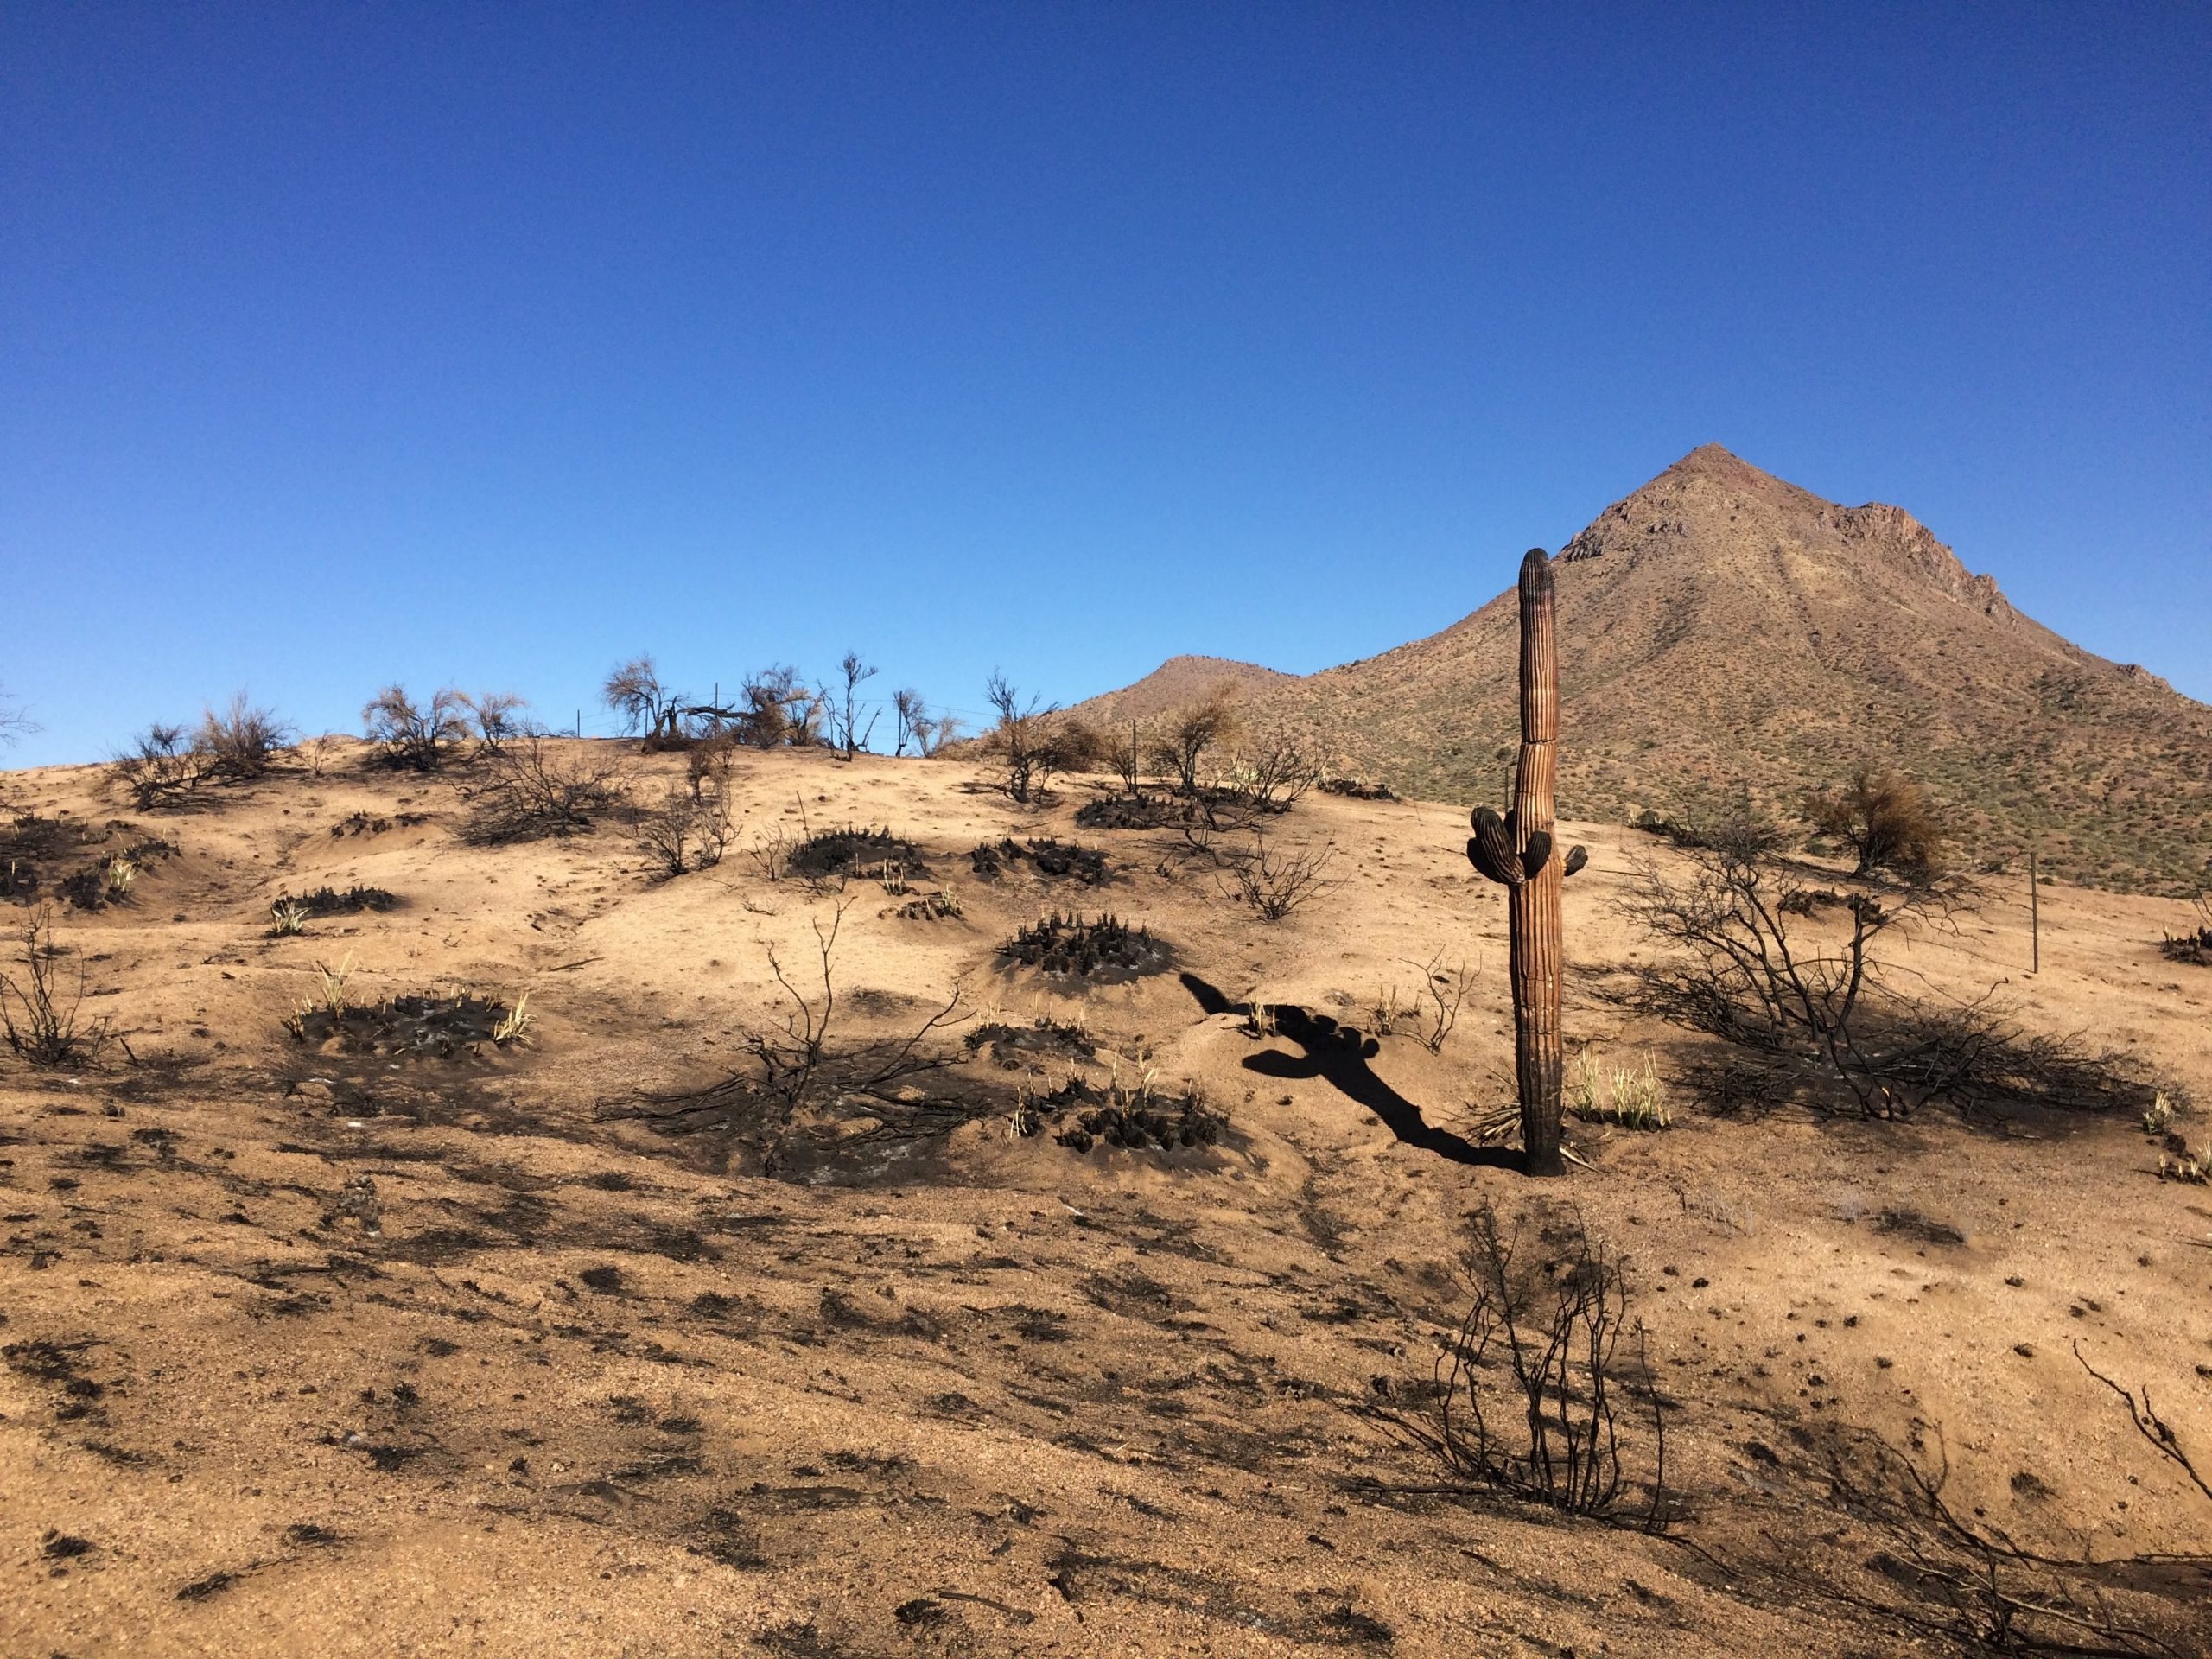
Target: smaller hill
{"x": 1180, "y": 682}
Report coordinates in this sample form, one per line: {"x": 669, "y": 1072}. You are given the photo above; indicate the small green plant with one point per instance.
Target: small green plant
{"x": 287, "y": 918}
{"x": 1638, "y": 1102}
{"x": 2160, "y": 1116}
{"x": 2193, "y": 1166}
{"x": 513, "y": 1026}
{"x": 1387, "y": 1010}
{"x": 1627, "y": 1098}
{"x": 330, "y": 995}
{"x": 1583, "y": 1096}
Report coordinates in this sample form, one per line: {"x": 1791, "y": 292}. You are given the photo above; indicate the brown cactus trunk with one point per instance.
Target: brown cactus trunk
{"x": 1532, "y": 906}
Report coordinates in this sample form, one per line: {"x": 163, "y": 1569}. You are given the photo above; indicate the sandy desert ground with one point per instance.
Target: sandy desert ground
{"x": 572, "y": 1385}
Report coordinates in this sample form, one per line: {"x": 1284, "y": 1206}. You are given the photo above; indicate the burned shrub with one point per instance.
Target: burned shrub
{"x": 1535, "y": 1398}
{"x": 88, "y": 889}
{"x": 1274, "y": 883}
{"x": 936, "y": 905}
{"x": 1798, "y": 980}
{"x": 1268, "y": 772}
{"x": 1017, "y": 738}
{"x": 690, "y": 830}
{"x": 243, "y": 740}
{"x": 1181, "y": 743}
{"x": 40, "y": 1006}
{"x": 1263, "y": 777}
{"x": 29, "y": 845}
{"x": 810, "y": 1103}
{"x": 164, "y": 765}
{"x": 112, "y": 880}
{"x": 500, "y": 716}
{"x": 531, "y": 790}
{"x": 1884, "y": 818}
{"x": 1968, "y": 1581}
{"x": 361, "y": 823}
{"x": 710, "y": 763}
{"x": 416, "y": 739}
{"x": 778, "y": 709}
{"x": 1032, "y": 741}
{"x": 1048, "y": 857}
{"x": 633, "y": 690}
{"x": 1133, "y": 812}
{"x": 847, "y": 735}
{"x": 1099, "y": 947}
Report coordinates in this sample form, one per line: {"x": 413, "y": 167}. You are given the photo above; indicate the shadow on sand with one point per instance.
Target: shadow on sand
{"x": 1338, "y": 1056}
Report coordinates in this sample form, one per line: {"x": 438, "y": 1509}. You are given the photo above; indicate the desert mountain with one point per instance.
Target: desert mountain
{"x": 1720, "y": 629}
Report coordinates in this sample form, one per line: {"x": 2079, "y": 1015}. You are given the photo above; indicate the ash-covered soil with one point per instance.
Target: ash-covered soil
{"x": 597, "y": 1340}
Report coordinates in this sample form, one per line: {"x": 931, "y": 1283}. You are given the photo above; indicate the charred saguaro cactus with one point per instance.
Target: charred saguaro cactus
{"x": 1519, "y": 853}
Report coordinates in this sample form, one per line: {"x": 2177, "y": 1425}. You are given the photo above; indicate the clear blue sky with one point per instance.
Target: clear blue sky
{"x": 492, "y": 343}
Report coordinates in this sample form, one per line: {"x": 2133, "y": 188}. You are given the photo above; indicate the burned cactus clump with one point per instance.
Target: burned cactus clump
{"x": 1101, "y": 947}
{"x": 329, "y": 901}
{"x": 1083, "y": 1116}
{"x": 855, "y": 851}
{"x": 455, "y": 1026}
{"x": 2194, "y": 943}
{"x": 1043, "y": 1038}
{"x": 1051, "y": 858}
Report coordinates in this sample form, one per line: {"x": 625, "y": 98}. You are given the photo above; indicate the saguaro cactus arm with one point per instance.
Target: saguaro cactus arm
{"x": 1491, "y": 850}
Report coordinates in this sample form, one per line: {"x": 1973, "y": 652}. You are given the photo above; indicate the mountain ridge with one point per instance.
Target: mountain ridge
{"x": 1724, "y": 631}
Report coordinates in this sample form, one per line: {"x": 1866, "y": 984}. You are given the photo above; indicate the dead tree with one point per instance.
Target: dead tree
{"x": 844, "y": 719}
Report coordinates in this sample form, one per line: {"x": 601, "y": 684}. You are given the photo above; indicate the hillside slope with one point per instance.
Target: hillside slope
{"x": 414, "y": 1341}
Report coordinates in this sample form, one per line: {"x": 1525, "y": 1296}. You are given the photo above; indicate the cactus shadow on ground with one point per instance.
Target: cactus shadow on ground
{"x": 1337, "y": 1055}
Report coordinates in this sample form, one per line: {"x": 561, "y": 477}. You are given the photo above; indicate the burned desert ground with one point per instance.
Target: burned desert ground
{"x": 372, "y": 1334}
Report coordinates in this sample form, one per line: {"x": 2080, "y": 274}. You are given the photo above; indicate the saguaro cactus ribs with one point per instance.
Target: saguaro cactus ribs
{"x": 1517, "y": 851}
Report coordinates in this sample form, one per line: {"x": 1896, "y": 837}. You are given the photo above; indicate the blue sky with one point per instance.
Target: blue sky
{"x": 491, "y": 344}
